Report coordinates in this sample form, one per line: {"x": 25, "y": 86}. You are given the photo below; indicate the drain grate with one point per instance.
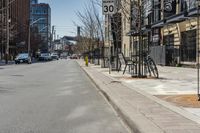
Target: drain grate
{"x": 115, "y": 81}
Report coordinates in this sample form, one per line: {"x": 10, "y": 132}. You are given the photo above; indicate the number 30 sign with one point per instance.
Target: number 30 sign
{"x": 108, "y": 7}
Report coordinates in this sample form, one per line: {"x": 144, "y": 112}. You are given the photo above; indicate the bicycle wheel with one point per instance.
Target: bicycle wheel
{"x": 147, "y": 69}
{"x": 152, "y": 67}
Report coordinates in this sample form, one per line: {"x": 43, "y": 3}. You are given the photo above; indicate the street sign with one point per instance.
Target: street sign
{"x": 108, "y": 7}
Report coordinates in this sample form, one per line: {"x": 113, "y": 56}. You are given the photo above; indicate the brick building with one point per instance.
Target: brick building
{"x": 19, "y": 13}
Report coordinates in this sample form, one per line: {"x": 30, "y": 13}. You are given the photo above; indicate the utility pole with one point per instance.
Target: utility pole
{"x": 29, "y": 38}
{"x": 7, "y": 31}
{"x": 29, "y": 30}
{"x": 140, "y": 40}
{"x": 51, "y": 48}
{"x": 54, "y": 33}
{"x": 110, "y": 43}
{"x": 198, "y": 50}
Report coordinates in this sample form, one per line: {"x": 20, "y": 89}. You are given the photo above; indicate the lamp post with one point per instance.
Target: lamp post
{"x": 198, "y": 50}
{"x": 7, "y": 31}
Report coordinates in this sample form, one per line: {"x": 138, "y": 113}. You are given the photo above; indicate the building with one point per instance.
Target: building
{"x": 41, "y": 19}
{"x": 168, "y": 29}
{"x": 19, "y": 14}
{"x": 34, "y": 1}
{"x": 126, "y": 25}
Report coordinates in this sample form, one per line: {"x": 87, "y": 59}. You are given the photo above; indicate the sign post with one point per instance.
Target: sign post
{"x": 108, "y": 9}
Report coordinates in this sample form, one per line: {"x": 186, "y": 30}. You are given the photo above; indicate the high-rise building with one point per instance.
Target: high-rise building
{"x": 34, "y": 1}
{"x": 19, "y": 14}
{"x": 41, "y": 19}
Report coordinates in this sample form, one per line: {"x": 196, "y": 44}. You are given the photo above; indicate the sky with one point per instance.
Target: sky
{"x": 63, "y": 14}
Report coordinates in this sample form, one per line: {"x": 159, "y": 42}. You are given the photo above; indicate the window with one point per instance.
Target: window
{"x": 156, "y": 14}
{"x": 188, "y": 47}
{"x": 169, "y": 8}
{"x": 156, "y": 37}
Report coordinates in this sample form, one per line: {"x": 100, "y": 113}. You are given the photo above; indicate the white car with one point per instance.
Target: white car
{"x": 54, "y": 56}
{"x": 45, "y": 57}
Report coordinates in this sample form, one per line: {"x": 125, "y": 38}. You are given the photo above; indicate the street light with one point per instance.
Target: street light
{"x": 7, "y": 31}
{"x": 198, "y": 72}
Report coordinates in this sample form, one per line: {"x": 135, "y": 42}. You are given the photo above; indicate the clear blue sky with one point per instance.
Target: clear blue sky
{"x": 64, "y": 13}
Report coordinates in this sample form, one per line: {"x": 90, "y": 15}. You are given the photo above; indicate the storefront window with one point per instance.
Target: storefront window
{"x": 156, "y": 37}
{"x": 156, "y": 11}
{"x": 172, "y": 51}
{"x": 187, "y": 4}
{"x": 191, "y": 4}
{"x": 188, "y": 47}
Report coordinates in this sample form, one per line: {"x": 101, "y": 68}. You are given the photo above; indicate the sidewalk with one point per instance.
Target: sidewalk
{"x": 2, "y": 63}
{"x": 143, "y": 112}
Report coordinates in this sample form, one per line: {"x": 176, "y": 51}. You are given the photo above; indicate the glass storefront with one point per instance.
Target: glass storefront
{"x": 188, "y": 46}
{"x": 172, "y": 51}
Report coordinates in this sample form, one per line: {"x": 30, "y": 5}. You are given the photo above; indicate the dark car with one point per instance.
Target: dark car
{"x": 23, "y": 58}
{"x": 45, "y": 57}
{"x": 54, "y": 56}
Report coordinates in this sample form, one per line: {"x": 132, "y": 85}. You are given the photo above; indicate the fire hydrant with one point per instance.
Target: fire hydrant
{"x": 86, "y": 60}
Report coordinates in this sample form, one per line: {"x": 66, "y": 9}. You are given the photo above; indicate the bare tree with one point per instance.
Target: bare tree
{"x": 91, "y": 27}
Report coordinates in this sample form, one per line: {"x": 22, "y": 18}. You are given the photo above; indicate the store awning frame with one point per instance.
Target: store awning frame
{"x": 158, "y": 24}
{"x": 193, "y": 12}
{"x": 177, "y": 18}
{"x": 146, "y": 28}
{"x": 135, "y": 33}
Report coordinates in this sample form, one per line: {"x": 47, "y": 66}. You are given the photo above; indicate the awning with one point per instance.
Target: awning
{"x": 134, "y": 33}
{"x": 158, "y": 24}
{"x": 129, "y": 33}
{"x": 146, "y": 28}
{"x": 193, "y": 12}
{"x": 176, "y": 18}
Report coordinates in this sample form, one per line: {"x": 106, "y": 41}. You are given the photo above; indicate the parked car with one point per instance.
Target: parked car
{"x": 54, "y": 56}
{"x": 45, "y": 57}
{"x": 23, "y": 58}
{"x": 63, "y": 55}
{"x": 74, "y": 56}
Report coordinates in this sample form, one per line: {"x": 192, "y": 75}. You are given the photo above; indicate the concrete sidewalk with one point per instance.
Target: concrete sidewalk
{"x": 143, "y": 112}
{"x": 2, "y": 63}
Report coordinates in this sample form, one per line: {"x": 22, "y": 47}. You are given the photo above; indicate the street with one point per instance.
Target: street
{"x": 53, "y": 97}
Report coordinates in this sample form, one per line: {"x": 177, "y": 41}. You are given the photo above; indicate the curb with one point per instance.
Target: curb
{"x": 132, "y": 120}
{"x": 134, "y": 128}
{"x": 168, "y": 105}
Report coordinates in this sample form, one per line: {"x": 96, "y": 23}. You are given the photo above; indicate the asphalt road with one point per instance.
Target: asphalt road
{"x": 53, "y": 97}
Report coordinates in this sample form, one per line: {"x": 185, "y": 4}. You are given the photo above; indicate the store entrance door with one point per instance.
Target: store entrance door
{"x": 171, "y": 50}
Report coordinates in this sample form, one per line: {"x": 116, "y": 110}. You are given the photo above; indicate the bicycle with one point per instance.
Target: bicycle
{"x": 149, "y": 65}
